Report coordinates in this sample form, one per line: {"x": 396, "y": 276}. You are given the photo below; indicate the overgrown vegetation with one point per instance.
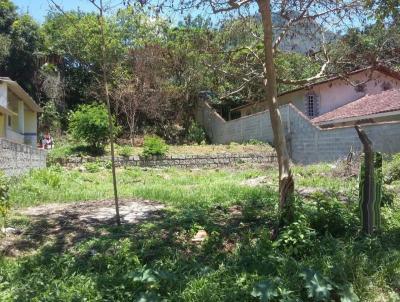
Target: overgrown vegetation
{"x": 4, "y": 201}
{"x": 320, "y": 257}
{"x": 154, "y": 145}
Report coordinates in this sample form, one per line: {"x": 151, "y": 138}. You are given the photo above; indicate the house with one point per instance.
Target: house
{"x": 320, "y": 102}
{"x": 18, "y": 114}
{"x": 319, "y": 118}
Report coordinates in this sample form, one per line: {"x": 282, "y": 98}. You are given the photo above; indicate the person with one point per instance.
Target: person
{"x": 47, "y": 141}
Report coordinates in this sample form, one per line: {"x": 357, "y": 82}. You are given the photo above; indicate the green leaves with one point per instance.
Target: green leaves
{"x": 4, "y": 199}
{"x": 320, "y": 288}
{"x": 265, "y": 291}
{"x": 317, "y": 286}
{"x": 89, "y": 123}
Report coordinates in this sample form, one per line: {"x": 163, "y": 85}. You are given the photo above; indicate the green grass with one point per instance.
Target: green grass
{"x": 156, "y": 260}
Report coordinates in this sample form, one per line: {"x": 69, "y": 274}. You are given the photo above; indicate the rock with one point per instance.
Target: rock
{"x": 200, "y": 236}
{"x": 12, "y": 231}
{"x": 254, "y": 182}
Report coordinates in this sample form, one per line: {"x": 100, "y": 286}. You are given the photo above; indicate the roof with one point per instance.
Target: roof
{"x": 21, "y": 93}
{"x": 383, "y": 69}
{"x": 383, "y": 102}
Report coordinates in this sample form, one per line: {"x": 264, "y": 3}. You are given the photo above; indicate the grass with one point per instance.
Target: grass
{"x": 321, "y": 257}
{"x": 64, "y": 149}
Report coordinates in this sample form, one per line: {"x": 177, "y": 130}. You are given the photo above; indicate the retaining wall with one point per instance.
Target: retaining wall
{"x": 180, "y": 161}
{"x": 16, "y": 159}
{"x": 307, "y": 143}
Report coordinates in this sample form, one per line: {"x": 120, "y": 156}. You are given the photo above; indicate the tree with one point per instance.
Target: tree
{"x": 19, "y": 41}
{"x": 294, "y": 14}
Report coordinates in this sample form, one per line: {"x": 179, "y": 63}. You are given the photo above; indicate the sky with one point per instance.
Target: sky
{"x": 39, "y": 8}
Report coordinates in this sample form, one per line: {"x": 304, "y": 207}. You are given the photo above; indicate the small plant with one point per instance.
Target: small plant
{"x": 392, "y": 170}
{"x": 297, "y": 238}
{"x": 154, "y": 145}
{"x": 4, "y": 200}
{"x": 92, "y": 167}
{"x": 125, "y": 151}
{"x": 255, "y": 142}
{"x": 196, "y": 133}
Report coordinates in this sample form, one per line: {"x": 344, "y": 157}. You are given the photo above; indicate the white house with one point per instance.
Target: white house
{"x": 322, "y": 102}
{"x": 18, "y": 113}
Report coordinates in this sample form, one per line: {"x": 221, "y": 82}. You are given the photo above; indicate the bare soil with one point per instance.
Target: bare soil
{"x": 65, "y": 224}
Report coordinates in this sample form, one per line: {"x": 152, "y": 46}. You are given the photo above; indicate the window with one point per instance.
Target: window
{"x": 311, "y": 104}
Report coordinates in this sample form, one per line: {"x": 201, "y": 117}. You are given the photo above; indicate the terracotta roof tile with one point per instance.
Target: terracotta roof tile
{"x": 385, "y": 101}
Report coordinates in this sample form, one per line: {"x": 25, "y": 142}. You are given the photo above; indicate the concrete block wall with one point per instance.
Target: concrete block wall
{"x": 16, "y": 159}
{"x": 307, "y": 143}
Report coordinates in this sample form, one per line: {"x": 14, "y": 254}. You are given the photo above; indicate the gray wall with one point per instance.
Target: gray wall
{"x": 180, "y": 161}
{"x": 307, "y": 143}
{"x": 16, "y": 159}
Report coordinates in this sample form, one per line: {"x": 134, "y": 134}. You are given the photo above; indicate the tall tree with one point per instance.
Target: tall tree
{"x": 294, "y": 14}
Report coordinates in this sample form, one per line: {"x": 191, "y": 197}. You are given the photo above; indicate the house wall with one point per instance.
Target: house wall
{"x": 307, "y": 142}
{"x": 3, "y": 95}
{"x": 333, "y": 94}
{"x": 2, "y": 125}
{"x": 16, "y": 159}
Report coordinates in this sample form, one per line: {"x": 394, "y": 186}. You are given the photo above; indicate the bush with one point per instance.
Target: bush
{"x": 125, "y": 151}
{"x": 196, "y": 133}
{"x": 89, "y": 124}
{"x": 332, "y": 216}
{"x": 4, "y": 200}
{"x": 154, "y": 145}
{"x": 392, "y": 170}
{"x": 92, "y": 167}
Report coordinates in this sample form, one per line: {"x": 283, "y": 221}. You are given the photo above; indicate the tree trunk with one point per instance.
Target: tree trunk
{"x": 286, "y": 182}
{"x": 110, "y": 121}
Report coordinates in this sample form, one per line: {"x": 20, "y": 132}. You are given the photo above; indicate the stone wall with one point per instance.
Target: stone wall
{"x": 16, "y": 159}
{"x": 180, "y": 161}
{"x": 307, "y": 142}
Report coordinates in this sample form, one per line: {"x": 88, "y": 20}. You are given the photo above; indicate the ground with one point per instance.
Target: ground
{"x": 72, "y": 251}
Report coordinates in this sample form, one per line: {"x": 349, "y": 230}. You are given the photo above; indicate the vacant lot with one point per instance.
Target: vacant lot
{"x": 195, "y": 235}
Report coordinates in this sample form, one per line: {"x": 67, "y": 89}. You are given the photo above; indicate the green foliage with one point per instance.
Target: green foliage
{"x": 4, "y": 200}
{"x": 156, "y": 259}
{"x": 92, "y": 167}
{"x": 265, "y": 291}
{"x": 154, "y": 145}
{"x": 196, "y": 133}
{"x": 318, "y": 287}
{"x": 125, "y": 151}
{"x": 296, "y": 239}
{"x": 89, "y": 124}
{"x": 255, "y": 142}
{"x": 392, "y": 170}
{"x": 332, "y": 216}
{"x": 50, "y": 117}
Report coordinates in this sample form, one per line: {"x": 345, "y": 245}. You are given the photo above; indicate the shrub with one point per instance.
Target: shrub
{"x": 392, "y": 170}
{"x": 154, "y": 145}
{"x": 125, "y": 151}
{"x": 92, "y": 167}
{"x": 196, "y": 133}
{"x": 297, "y": 238}
{"x": 89, "y": 124}
{"x": 255, "y": 142}
{"x": 332, "y": 216}
{"x": 4, "y": 200}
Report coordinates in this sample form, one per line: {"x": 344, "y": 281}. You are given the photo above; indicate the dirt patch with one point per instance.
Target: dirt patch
{"x": 65, "y": 224}
{"x": 258, "y": 181}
